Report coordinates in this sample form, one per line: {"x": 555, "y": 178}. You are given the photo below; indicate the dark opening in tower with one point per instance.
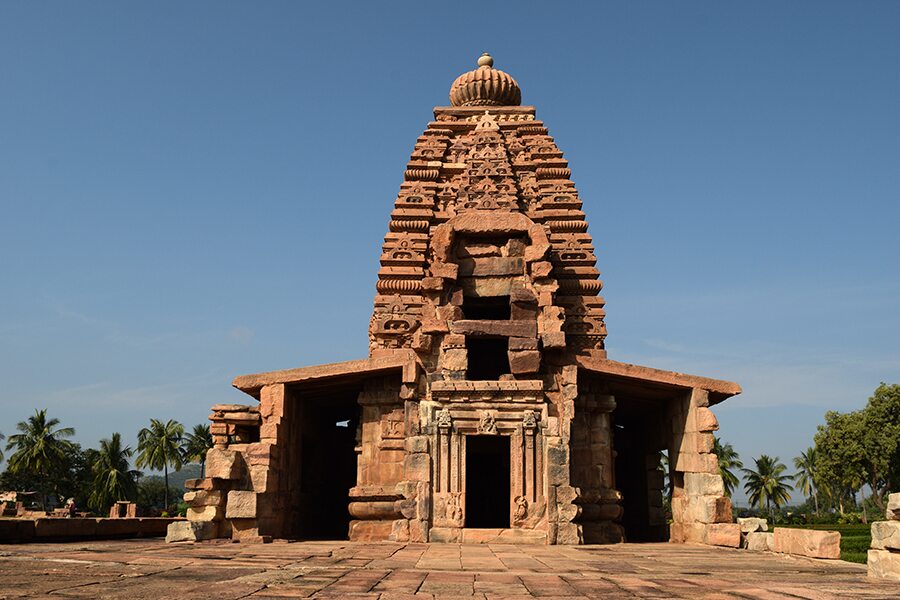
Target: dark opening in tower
{"x": 488, "y": 358}
{"x": 493, "y": 308}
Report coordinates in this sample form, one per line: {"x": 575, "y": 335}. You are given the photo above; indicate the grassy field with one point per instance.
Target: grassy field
{"x": 855, "y": 539}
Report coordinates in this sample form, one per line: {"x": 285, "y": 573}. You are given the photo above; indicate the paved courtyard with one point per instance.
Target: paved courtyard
{"x": 151, "y": 569}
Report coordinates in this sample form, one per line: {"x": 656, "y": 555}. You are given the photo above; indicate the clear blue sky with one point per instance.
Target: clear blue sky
{"x": 196, "y": 190}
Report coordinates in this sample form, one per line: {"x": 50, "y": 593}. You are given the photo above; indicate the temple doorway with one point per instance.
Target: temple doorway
{"x": 327, "y": 465}
{"x": 636, "y": 433}
{"x": 487, "y": 481}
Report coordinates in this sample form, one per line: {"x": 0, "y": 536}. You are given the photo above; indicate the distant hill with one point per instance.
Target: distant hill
{"x": 177, "y": 478}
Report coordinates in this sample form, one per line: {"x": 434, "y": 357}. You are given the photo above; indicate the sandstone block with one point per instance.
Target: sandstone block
{"x": 566, "y": 494}
{"x": 423, "y": 501}
{"x": 417, "y": 467}
{"x": 893, "y": 507}
{"x": 690, "y": 462}
{"x": 723, "y": 534}
{"x": 223, "y": 464}
{"x": 523, "y": 344}
{"x": 553, "y": 339}
{"x": 703, "y": 484}
{"x": 417, "y": 443}
{"x": 567, "y": 512}
{"x": 454, "y": 359}
{"x": 884, "y": 564}
{"x": 679, "y": 509}
{"x": 262, "y": 479}
{"x": 191, "y": 531}
{"x": 705, "y": 420}
{"x": 400, "y": 531}
{"x": 886, "y": 535}
{"x": 568, "y": 534}
{"x": 806, "y": 542}
{"x": 204, "y": 498}
{"x": 752, "y": 524}
{"x": 408, "y": 508}
{"x": 709, "y": 509}
{"x": 495, "y": 328}
{"x": 694, "y": 533}
{"x": 444, "y": 534}
{"x": 697, "y": 442}
{"x": 760, "y": 541}
{"x": 524, "y": 361}
{"x": 241, "y": 505}
{"x": 205, "y": 513}
{"x": 557, "y": 474}
{"x": 204, "y": 484}
{"x": 418, "y": 531}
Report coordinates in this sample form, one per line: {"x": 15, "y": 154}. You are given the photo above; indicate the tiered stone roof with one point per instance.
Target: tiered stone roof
{"x": 482, "y": 156}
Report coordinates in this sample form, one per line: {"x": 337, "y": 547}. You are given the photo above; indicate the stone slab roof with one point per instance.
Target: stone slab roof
{"x": 401, "y": 360}
{"x": 718, "y": 389}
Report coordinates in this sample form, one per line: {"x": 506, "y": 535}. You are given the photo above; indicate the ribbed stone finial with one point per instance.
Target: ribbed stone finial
{"x": 485, "y": 86}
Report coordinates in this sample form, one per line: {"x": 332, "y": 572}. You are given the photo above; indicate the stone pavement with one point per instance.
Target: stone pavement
{"x": 151, "y": 569}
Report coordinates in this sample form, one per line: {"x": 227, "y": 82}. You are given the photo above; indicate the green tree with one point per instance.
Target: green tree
{"x": 2, "y": 437}
{"x": 728, "y": 460}
{"x": 195, "y": 445}
{"x": 39, "y": 450}
{"x": 881, "y": 443}
{"x": 113, "y": 477}
{"x": 159, "y": 446}
{"x": 767, "y": 484}
{"x": 839, "y": 455}
{"x": 806, "y": 475}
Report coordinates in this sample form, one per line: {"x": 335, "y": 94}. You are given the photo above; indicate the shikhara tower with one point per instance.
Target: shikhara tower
{"x": 487, "y": 409}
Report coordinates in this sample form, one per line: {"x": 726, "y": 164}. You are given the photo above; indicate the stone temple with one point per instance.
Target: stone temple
{"x": 487, "y": 410}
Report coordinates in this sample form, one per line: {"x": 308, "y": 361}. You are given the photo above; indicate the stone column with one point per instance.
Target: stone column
{"x": 600, "y": 501}
{"x": 701, "y": 512}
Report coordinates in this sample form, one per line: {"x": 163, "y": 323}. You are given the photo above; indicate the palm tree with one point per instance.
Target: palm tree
{"x": 806, "y": 475}
{"x": 39, "y": 448}
{"x": 195, "y": 445}
{"x": 2, "y": 437}
{"x": 160, "y": 446}
{"x": 113, "y": 478}
{"x": 767, "y": 484}
{"x": 728, "y": 459}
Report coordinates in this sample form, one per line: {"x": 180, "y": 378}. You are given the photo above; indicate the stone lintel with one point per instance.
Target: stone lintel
{"x": 404, "y": 360}
{"x": 718, "y": 389}
{"x": 474, "y": 391}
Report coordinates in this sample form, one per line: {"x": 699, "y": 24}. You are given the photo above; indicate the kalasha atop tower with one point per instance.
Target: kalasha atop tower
{"x": 487, "y": 409}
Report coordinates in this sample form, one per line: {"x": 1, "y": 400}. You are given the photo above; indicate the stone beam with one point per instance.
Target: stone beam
{"x": 718, "y": 389}
{"x": 404, "y": 360}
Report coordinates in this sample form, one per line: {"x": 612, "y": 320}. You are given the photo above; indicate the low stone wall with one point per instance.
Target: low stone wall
{"x": 59, "y": 529}
{"x": 884, "y": 556}
{"x": 807, "y": 542}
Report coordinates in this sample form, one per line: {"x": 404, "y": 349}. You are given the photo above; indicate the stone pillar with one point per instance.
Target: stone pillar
{"x": 884, "y": 556}
{"x": 600, "y": 502}
{"x": 701, "y": 512}
{"x": 562, "y": 511}
{"x": 389, "y": 471}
